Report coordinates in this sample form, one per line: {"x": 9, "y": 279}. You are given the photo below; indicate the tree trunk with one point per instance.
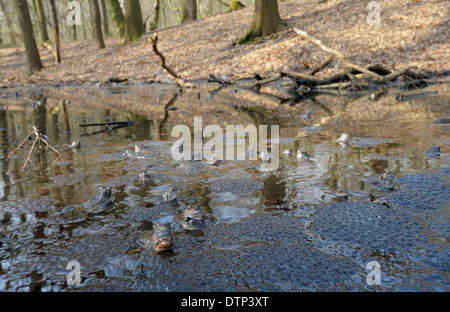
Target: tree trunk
{"x": 9, "y": 25}
{"x": 97, "y": 21}
{"x": 266, "y": 20}
{"x": 189, "y": 10}
{"x": 55, "y": 32}
{"x": 133, "y": 20}
{"x": 155, "y": 18}
{"x": 117, "y": 16}
{"x": 104, "y": 18}
{"x": 34, "y": 60}
{"x": 41, "y": 20}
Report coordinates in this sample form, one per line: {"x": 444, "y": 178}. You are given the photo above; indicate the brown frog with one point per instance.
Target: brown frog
{"x": 160, "y": 238}
{"x": 102, "y": 199}
{"x": 194, "y": 219}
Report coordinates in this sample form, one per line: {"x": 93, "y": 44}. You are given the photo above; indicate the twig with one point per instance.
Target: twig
{"x": 39, "y": 137}
{"x": 178, "y": 80}
{"x": 12, "y": 152}
{"x": 29, "y": 154}
{"x": 321, "y": 66}
{"x": 127, "y": 123}
{"x": 221, "y": 2}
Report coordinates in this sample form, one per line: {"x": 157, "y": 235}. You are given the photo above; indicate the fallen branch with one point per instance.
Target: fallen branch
{"x": 39, "y": 137}
{"x": 178, "y": 80}
{"x": 270, "y": 79}
{"x": 338, "y": 54}
{"x": 321, "y": 66}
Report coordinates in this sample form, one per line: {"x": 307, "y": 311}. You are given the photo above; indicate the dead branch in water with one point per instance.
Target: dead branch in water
{"x": 39, "y": 137}
{"x": 119, "y": 123}
{"x": 178, "y": 80}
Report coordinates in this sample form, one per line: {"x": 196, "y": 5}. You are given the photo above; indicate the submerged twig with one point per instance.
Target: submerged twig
{"x": 39, "y": 137}
{"x": 121, "y": 123}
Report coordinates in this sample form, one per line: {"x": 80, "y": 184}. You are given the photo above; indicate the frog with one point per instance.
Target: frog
{"x": 303, "y": 158}
{"x": 194, "y": 219}
{"x": 159, "y": 239}
{"x": 102, "y": 199}
{"x": 344, "y": 138}
{"x": 171, "y": 194}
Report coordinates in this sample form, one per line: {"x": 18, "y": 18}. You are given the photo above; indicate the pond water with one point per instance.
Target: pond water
{"x": 280, "y": 230}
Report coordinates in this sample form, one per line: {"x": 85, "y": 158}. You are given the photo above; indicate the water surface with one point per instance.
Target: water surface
{"x": 280, "y": 231}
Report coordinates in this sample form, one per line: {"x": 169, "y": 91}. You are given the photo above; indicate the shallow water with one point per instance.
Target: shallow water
{"x": 279, "y": 230}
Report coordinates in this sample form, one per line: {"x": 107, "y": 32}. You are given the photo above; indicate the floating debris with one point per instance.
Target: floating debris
{"x": 407, "y": 97}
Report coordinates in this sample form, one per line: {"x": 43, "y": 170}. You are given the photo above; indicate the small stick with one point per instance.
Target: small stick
{"x": 319, "y": 67}
{"x": 29, "y": 154}
{"x": 39, "y": 138}
{"x": 128, "y": 123}
{"x": 178, "y": 80}
{"x": 12, "y": 153}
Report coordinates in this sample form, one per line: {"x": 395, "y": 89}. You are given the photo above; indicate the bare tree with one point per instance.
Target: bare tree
{"x": 155, "y": 18}
{"x": 41, "y": 20}
{"x": 266, "y": 20}
{"x": 23, "y": 15}
{"x": 118, "y": 17}
{"x": 133, "y": 20}
{"x": 9, "y": 24}
{"x": 104, "y": 18}
{"x": 55, "y": 31}
{"x": 188, "y": 10}
{"x": 95, "y": 9}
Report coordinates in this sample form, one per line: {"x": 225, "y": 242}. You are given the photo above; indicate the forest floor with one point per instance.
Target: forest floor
{"x": 413, "y": 34}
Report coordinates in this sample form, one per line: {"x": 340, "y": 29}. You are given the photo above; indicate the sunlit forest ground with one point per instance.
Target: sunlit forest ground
{"x": 412, "y": 34}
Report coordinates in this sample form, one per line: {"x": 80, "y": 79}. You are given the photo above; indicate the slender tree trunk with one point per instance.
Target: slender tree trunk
{"x": 118, "y": 17}
{"x": 266, "y": 20}
{"x": 9, "y": 24}
{"x": 97, "y": 21}
{"x": 189, "y": 10}
{"x": 163, "y": 10}
{"x": 23, "y": 15}
{"x": 104, "y": 18}
{"x": 55, "y": 31}
{"x": 155, "y": 18}
{"x": 41, "y": 20}
{"x": 133, "y": 20}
